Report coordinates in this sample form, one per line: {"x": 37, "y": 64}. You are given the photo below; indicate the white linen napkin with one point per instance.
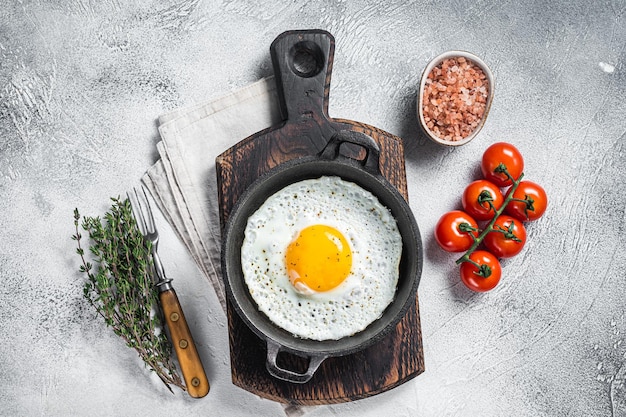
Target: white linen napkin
{"x": 183, "y": 182}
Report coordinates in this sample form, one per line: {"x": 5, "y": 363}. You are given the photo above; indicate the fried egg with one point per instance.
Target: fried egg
{"x": 321, "y": 258}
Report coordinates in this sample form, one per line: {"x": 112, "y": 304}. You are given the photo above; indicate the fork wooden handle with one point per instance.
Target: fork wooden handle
{"x": 188, "y": 358}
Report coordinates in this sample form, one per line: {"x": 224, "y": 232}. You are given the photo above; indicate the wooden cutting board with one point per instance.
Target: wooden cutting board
{"x": 302, "y": 63}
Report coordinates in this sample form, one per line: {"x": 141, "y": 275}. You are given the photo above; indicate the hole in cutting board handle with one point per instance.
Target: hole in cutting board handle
{"x": 306, "y": 59}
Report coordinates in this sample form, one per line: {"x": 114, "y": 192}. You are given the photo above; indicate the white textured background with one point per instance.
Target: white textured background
{"x": 83, "y": 81}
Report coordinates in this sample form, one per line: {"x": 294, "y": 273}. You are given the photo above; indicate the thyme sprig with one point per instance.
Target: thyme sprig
{"x": 120, "y": 286}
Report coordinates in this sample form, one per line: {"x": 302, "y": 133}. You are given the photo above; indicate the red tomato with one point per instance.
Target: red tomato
{"x": 501, "y": 155}
{"x": 529, "y": 201}
{"x": 508, "y": 237}
{"x": 449, "y": 231}
{"x": 481, "y": 199}
{"x": 483, "y": 277}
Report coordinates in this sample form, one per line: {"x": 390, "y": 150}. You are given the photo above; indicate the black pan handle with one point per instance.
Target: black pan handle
{"x": 372, "y": 158}
{"x": 273, "y": 349}
{"x": 302, "y": 61}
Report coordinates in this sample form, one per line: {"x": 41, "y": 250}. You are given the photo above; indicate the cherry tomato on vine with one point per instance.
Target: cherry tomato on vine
{"x": 449, "y": 231}
{"x": 484, "y": 277}
{"x": 498, "y": 155}
{"x": 481, "y": 199}
{"x": 508, "y": 237}
{"x": 535, "y": 204}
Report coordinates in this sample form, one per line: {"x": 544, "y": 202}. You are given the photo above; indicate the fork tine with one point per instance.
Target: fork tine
{"x": 136, "y": 209}
{"x": 148, "y": 210}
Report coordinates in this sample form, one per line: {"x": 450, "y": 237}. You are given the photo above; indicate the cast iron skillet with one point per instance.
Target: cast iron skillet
{"x": 302, "y": 92}
{"x": 329, "y": 162}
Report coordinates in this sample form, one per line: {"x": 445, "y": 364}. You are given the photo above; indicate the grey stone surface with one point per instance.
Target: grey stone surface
{"x": 83, "y": 81}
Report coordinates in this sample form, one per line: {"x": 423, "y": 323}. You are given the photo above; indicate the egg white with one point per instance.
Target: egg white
{"x": 376, "y": 247}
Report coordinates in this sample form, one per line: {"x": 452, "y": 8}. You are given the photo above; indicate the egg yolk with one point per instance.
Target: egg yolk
{"x": 319, "y": 258}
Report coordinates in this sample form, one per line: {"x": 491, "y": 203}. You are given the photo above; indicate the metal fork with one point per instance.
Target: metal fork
{"x": 145, "y": 221}
{"x": 190, "y": 364}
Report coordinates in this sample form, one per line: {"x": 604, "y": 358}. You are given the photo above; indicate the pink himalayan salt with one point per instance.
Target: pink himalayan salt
{"x": 455, "y": 98}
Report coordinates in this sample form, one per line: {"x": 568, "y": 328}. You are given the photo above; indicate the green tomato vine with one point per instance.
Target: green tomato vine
{"x": 485, "y": 270}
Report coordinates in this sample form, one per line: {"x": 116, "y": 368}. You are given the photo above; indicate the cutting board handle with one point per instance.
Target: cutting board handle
{"x": 302, "y": 61}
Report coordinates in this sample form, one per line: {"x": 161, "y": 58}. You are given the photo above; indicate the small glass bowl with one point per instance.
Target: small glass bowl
{"x": 432, "y": 64}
